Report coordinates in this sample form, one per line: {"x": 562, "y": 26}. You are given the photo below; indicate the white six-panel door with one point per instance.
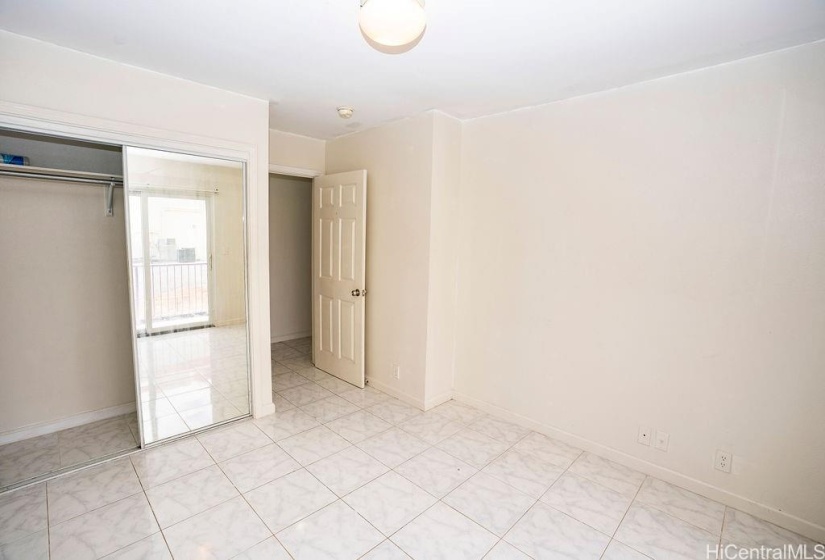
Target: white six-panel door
{"x": 339, "y": 225}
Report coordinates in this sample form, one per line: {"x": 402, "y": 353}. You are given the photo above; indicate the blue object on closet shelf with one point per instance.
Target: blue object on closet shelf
{"x": 14, "y": 160}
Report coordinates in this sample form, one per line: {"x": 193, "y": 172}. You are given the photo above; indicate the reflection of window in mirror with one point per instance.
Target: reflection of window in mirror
{"x": 186, "y": 236}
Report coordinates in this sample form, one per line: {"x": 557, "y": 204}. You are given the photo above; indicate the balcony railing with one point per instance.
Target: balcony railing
{"x": 179, "y": 292}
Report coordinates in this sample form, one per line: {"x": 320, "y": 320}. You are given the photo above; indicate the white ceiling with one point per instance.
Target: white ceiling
{"x": 477, "y": 57}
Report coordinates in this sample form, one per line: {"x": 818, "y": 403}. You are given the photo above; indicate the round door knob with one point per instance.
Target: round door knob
{"x": 356, "y": 292}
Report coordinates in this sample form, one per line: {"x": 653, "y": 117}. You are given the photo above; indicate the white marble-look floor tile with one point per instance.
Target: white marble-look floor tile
{"x": 432, "y": 428}
{"x": 311, "y": 373}
{"x": 336, "y": 532}
{"x": 235, "y": 440}
{"x": 473, "y": 448}
{"x": 347, "y": 470}
{"x": 150, "y": 548}
{"x": 607, "y": 473}
{"x": 313, "y": 445}
{"x": 459, "y": 412}
{"x": 548, "y": 533}
{"x": 490, "y": 502}
{"x": 93, "y": 441}
{"x": 165, "y": 463}
{"x": 218, "y": 533}
{"x": 270, "y": 549}
{"x": 157, "y": 408}
{"x": 283, "y": 424}
{"x": 334, "y": 385}
{"x": 589, "y": 502}
{"x": 618, "y": 551}
{"x": 303, "y": 395}
{"x": 279, "y": 368}
{"x": 386, "y": 551}
{"x": 156, "y": 429}
{"x": 499, "y": 430}
{"x": 298, "y": 363}
{"x": 524, "y": 472}
{"x": 256, "y": 468}
{"x": 505, "y": 551}
{"x": 394, "y": 411}
{"x": 680, "y": 503}
{"x": 441, "y": 533}
{"x": 24, "y": 460}
{"x": 219, "y": 411}
{"x": 358, "y": 426}
{"x": 746, "y": 530}
{"x": 327, "y": 410}
{"x": 91, "y": 488}
{"x": 288, "y": 499}
{"x": 104, "y": 530}
{"x": 281, "y": 404}
{"x": 390, "y": 502}
{"x": 393, "y": 447}
{"x": 31, "y": 547}
{"x": 189, "y": 495}
{"x": 365, "y": 397}
{"x": 288, "y": 380}
{"x": 22, "y": 513}
{"x": 659, "y": 535}
{"x": 548, "y": 450}
{"x": 436, "y": 471}
{"x": 195, "y": 399}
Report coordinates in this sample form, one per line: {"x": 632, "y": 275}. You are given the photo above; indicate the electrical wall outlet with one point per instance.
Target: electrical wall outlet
{"x": 396, "y": 371}
{"x": 723, "y": 460}
{"x": 644, "y": 436}
{"x": 660, "y": 440}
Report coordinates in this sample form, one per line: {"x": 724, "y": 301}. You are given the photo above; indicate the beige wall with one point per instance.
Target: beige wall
{"x": 290, "y": 257}
{"x": 398, "y": 160}
{"x": 65, "y": 335}
{"x": 46, "y": 87}
{"x": 655, "y": 256}
{"x": 412, "y": 203}
{"x": 291, "y": 151}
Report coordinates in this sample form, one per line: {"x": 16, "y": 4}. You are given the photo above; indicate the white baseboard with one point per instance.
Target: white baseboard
{"x": 790, "y": 522}
{"x": 393, "y": 392}
{"x": 293, "y": 336}
{"x": 262, "y": 410}
{"x": 43, "y": 428}
{"x": 437, "y": 400}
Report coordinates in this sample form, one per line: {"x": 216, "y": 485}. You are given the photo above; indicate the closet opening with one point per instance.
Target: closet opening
{"x": 67, "y": 390}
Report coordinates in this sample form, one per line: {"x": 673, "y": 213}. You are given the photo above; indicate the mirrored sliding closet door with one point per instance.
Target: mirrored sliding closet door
{"x": 185, "y": 218}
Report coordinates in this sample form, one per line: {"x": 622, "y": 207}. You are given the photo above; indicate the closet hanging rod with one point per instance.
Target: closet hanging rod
{"x": 43, "y": 173}
{"x": 102, "y": 182}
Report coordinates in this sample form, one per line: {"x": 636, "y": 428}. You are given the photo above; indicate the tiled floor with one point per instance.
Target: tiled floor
{"x": 42, "y": 455}
{"x": 344, "y": 473}
{"x": 192, "y": 379}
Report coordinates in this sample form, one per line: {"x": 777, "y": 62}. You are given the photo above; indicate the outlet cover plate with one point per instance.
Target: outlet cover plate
{"x": 644, "y": 435}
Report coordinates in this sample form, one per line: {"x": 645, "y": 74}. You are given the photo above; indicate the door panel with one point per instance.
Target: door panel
{"x": 338, "y": 274}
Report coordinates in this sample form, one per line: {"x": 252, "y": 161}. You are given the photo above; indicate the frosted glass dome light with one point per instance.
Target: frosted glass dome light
{"x": 392, "y": 23}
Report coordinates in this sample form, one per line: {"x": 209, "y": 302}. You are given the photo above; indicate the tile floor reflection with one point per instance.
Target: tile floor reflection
{"x": 192, "y": 379}
{"x": 345, "y": 473}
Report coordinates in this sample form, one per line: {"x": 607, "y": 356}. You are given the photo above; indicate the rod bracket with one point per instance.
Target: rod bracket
{"x": 110, "y": 192}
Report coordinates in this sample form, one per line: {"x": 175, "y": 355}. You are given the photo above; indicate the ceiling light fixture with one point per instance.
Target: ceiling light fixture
{"x": 345, "y": 112}
{"x": 392, "y": 23}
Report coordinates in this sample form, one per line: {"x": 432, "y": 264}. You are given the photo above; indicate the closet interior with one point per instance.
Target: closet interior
{"x": 124, "y": 301}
